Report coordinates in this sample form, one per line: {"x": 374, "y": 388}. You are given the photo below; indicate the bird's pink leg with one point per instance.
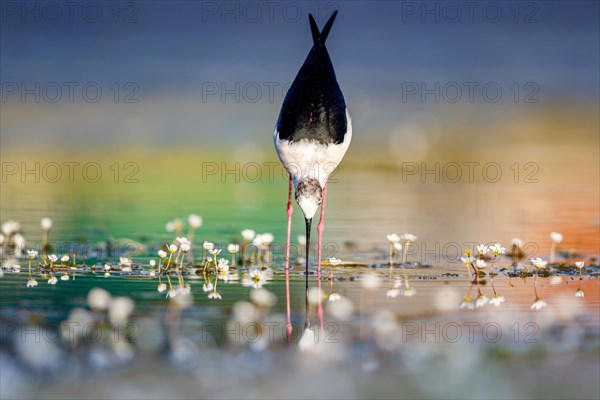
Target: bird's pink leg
{"x": 290, "y": 210}
{"x": 320, "y": 228}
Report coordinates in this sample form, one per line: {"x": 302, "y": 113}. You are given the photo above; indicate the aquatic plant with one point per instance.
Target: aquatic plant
{"x": 538, "y": 303}
{"x": 31, "y": 254}
{"x": 233, "y": 249}
{"x": 497, "y": 251}
{"x": 579, "y": 292}
{"x": 407, "y": 238}
{"x": 556, "y": 239}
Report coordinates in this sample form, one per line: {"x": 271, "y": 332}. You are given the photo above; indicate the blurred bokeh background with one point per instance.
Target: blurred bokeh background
{"x": 472, "y": 122}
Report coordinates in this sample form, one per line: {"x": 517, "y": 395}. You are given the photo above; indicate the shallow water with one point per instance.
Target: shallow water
{"x": 371, "y": 343}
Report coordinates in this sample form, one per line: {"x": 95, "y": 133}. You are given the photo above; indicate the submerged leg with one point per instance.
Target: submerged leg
{"x": 320, "y": 228}
{"x": 308, "y": 224}
{"x": 290, "y": 210}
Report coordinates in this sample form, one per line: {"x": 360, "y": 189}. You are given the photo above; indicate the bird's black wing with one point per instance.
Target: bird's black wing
{"x": 314, "y": 29}
{"x": 314, "y": 106}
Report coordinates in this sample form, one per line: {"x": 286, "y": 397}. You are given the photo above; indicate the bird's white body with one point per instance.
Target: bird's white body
{"x": 309, "y": 158}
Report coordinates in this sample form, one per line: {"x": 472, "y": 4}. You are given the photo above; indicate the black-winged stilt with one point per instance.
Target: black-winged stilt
{"x": 311, "y": 136}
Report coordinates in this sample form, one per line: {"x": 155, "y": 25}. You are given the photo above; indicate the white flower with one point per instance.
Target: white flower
{"x": 183, "y": 240}
{"x": 161, "y": 287}
{"x": 184, "y": 290}
{"x": 480, "y": 263}
{"x": 257, "y": 278}
{"x": 208, "y": 246}
{"x": 467, "y": 303}
{"x": 409, "y": 292}
{"x": 52, "y": 280}
{"x": 233, "y": 248}
{"x": 393, "y": 237}
{"x": 467, "y": 260}
{"x": 107, "y": 267}
{"x": 185, "y": 247}
{"x": 32, "y": 283}
{"x": 556, "y": 237}
{"x": 302, "y": 240}
{"x": 119, "y": 310}
{"x": 162, "y": 254}
{"x": 53, "y": 258}
{"x": 334, "y": 261}
{"x": 579, "y": 264}
{"x": 538, "y": 304}
{"x": 263, "y": 297}
{"x": 124, "y": 261}
{"x": 195, "y": 221}
{"x": 152, "y": 263}
{"x": 32, "y": 253}
{"x": 497, "y": 300}
{"x": 64, "y": 277}
{"x": 579, "y": 293}
{"x": 172, "y": 248}
{"x": 408, "y": 237}
{"x": 258, "y": 240}
{"x": 392, "y": 293}
{"x": 481, "y": 301}
{"x": 207, "y": 287}
{"x": 152, "y": 274}
{"x": 16, "y": 268}
{"x": 223, "y": 272}
{"x": 334, "y": 297}
{"x": 46, "y": 224}
{"x": 482, "y": 249}
{"x": 516, "y": 242}
{"x": 538, "y": 262}
{"x": 215, "y": 252}
{"x": 248, "y": 234}
{"x": 397, "y": 246}
{"x": 223, "y": 263}
{"x": 98, "y": 299}
{"x": 172, "y": 293}
{"x": 497, "y": 249}
{"x": 64, "y": 258}
{"x": 214, "y": 295}
{"x": 106, "y": 274}
{"x": 175, "y": 225}
{"x": 268, "y": 238}
{"x": 10, "y": 227}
